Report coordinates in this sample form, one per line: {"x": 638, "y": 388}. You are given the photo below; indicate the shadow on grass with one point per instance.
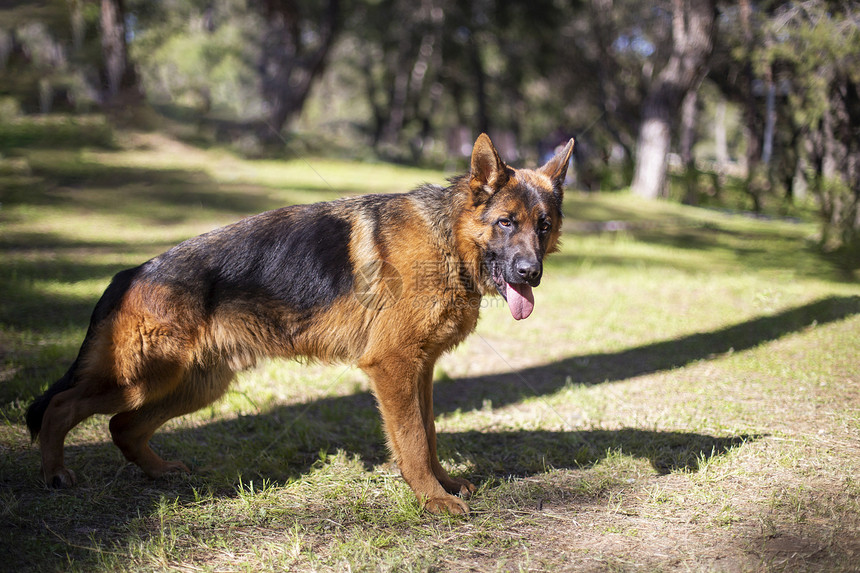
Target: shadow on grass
{"x": 503, "y": 389}
{"x": 114, "y": 507}
{"x": 771, "y": 249}
{"x": 142, "y": 196}
{"x": 155, "y": 196}
{"x": 285, "y": 443}
{"x": 528, "y": 452}
{"x": 25, "y": 305}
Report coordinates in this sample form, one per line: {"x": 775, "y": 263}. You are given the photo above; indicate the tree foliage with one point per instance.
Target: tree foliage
{"x": 797, "y": 66}
{"x": 815, "y": 51}
{"x": 200, "y": 55}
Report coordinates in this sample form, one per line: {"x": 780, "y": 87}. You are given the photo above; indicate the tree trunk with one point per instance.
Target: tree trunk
{"x": 615, "y": 116}
{"x": 655, "y": 134}
{"x": 292, "y": 59}
{"x": 720, "y": 138}
{"x": 769, "y": 120}
{"x": 120, "y": 78}
{"x": 693, "y": 28}
{"x": 78, "y": 23}
{"x": 482, "y": 119}
{"x": 399, "y": 91}
{"x": 756, "y": 181}
{"x": 372, "y": 93}
{"x": 687, "y": 138}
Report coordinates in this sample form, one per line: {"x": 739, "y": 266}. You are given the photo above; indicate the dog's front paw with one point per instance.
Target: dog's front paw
{"x": 61, "y": 478}
{"x": 446, "y": 504}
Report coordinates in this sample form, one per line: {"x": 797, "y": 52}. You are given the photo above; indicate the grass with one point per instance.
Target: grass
{"x": 685, "y": 396}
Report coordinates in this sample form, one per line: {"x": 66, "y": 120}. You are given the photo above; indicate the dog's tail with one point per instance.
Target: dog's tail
{"x": 107, "y": 304}
{"x": 36, "y": 411}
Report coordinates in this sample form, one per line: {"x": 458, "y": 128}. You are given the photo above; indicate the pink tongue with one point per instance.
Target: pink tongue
{"x": 520, "y": 300}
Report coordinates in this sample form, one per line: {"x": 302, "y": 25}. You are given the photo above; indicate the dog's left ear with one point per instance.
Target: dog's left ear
{"x": 556, "y": 168}
{"x": 488, "y": 172}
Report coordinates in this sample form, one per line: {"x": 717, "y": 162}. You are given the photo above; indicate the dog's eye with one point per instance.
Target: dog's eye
{"x": 505, "y": 222}
{"x": 544, "y": 226}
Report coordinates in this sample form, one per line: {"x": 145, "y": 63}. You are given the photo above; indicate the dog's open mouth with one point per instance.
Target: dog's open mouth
{"x": 520, "y": 298}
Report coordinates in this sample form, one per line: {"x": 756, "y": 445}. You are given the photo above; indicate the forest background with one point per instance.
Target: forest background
{"x": 750, "y": 105}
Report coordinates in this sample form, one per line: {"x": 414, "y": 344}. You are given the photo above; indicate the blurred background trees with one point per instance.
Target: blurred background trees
{"x": 752, "y": 105}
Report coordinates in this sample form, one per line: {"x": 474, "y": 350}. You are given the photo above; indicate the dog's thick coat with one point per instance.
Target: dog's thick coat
{"x": 387, "y": 282}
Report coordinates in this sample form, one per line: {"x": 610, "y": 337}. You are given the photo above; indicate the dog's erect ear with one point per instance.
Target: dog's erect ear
{"x": 488, "y": 172}
{"x": 556, "y": 168}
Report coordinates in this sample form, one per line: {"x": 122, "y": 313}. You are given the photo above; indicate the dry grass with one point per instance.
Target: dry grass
{"x": 685, "y": 396}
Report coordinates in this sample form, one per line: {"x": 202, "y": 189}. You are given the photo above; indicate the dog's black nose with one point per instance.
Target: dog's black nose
{"x": 529, "y": 271}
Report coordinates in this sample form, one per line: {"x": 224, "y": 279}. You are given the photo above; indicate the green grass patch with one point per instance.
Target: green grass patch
{"x": 685, "y": 395}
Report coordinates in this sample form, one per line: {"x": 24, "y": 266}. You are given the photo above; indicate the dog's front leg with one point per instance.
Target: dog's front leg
{"x": 453, "y": 485}
{"x": 397, "y": 384}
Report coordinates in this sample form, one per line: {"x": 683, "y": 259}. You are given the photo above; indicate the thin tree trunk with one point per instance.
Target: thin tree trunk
{"x": 769, "y": 120}
{"x": 76, "y": 18}
{"x": 799, "y": 184}
{"x": 399, "y": 90}
{"x": 720, "y": 137}
{"x": 373, "y": 99}
{"x": 689, "y": 113}
{"x": 119, "y": 75}
{"x": 411, "y": 71}
{"x": 756, "y": 179}
{"x": 608, "y": 76}
{"x": 483, "y": 117}
{"x": 687, "y": 139}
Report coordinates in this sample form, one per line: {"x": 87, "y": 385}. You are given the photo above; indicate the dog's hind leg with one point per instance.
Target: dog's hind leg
{"x": 132, "y": 430}
{"x": 65, "y": 411}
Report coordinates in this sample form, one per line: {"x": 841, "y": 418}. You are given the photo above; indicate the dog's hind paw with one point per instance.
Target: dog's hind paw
{"x": 157, "y": 469}
{"x": 61, "y": 478}
{"x": 176, "y": 467}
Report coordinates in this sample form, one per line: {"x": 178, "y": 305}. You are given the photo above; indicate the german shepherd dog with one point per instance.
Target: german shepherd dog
{"x": 386, "y": 282}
